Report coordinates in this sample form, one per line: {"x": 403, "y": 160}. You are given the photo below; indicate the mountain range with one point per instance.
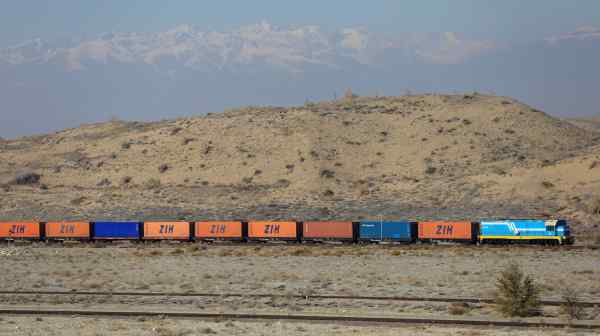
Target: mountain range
{"x": 49, "y": 85}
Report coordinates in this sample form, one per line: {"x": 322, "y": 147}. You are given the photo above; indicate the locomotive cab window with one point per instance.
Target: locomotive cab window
{"x": 550, "y": 228}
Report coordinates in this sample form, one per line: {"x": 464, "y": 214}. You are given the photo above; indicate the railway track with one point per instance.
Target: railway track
{"x": 328, "y": 244}
{"x": 348, "y": 319}
{"x": 586, "y": 304}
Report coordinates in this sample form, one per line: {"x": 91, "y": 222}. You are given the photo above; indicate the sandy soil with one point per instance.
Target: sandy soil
{"x": 455, "y": 271}
{"x": 163, "y": 327}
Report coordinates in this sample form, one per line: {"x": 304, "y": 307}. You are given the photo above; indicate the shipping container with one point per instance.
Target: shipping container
{"x": 166, "y": 231}
{"x": 273, "y": 230}
{"x": 116, "y": 230}
{"x": 328, "y": 231}
{"x": 444, "y": 230}
{"x": 68, "y": 230}
{"x": 401, "y": 231}
{"x": 219, "y": 230}
{"x": 20, "y": 230}
{"x": 525, "y": 230}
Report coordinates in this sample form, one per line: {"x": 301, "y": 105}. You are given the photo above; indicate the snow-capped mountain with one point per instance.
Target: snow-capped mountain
{"x": 287, "y": 48}
{"x": 49, "y": 85}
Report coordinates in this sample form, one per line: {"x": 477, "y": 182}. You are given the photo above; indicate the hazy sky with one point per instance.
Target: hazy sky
{"x": 506, "y": 20}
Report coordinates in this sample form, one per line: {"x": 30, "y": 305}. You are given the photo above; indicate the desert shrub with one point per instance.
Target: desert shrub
{"x": 27, "y": 178}
{"x": 594, "y": 206}
{"x": 430, "y": 170}
{"x": 326, "y": 173}
{"x": 257, "y": 172}
{"x": 328, "y": 193}
{"x": 163, "y": 168}
{"x": 283, "y": 183}
{"x": 516, "y": 293}
{"x": 458, "y": 308}
{"x": 125, "y": 145}
{"x": 547, "y": 184}
{"x": 152, "y": 183}
{"x": 187, "y": 141}
{"x": 103, "y": 183}
{"x": 571, "y": 306}
{"x": 176, "y": 130}
{"x": 126, "y": 180}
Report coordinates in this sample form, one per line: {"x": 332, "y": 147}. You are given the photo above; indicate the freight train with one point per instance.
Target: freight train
{"x": 506, "y": 231}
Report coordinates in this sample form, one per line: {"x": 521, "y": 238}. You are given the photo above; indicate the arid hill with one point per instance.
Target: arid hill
{"x": 440, "y": 156}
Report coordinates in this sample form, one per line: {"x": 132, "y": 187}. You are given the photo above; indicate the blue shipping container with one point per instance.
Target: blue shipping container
{"x": 524, "y": 229}
{"x": 116, "y": 230}
{"x": 386, "y": 230}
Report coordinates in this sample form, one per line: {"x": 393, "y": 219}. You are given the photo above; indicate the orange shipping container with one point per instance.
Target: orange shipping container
{"x": 19, "y": 230}
{"x": 341, "y": 230}
{"x": 446, "y": 230}
{"x": 68, "y": 230}
{"x": 280, "y": 230}
{"x": 227, "y": 230}
{"x": 166, "y": 230}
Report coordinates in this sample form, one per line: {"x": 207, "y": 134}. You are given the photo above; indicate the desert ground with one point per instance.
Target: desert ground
{"x": 286, "y": 272}
{"x": 160, "y": 327}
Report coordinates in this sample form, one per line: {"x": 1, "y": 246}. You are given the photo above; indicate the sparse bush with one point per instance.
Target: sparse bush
{"x": 187, "y": 141}
{"x": 78, "y": 200}
{"x": 163, "y": 168}
{"x": 126, "y": 180}
{"x": 594, "y": 206}
{"x": 466, "y": 122}
{"x": 326, "y": 173}
{"x": 257, "y": 172}
{"x": 328, "y": 193}
{"x": 125, "y": 145}
{"x": 458, "y": 308}
{"x": 571, "y": 307}
{"x": 103, "y": 183}
{"x": 547, "y": 184}
{"x": 27, "y": 178}
{"x": 152, "y": 183}
{"x": 282, "y": 183}
{"x": 176, "y": 130}
{"x": 430, "y": 170}
{"x": 516, "y": 293}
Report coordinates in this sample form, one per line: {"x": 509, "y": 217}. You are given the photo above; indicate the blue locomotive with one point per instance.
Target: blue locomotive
{"x": 530, "y": 230}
